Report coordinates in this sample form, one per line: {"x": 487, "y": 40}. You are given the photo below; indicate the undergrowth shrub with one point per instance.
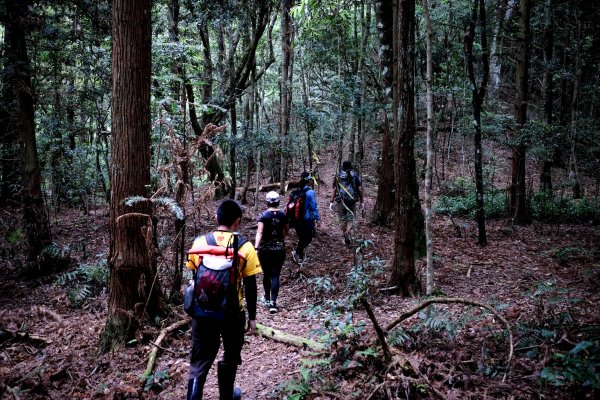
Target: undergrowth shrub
{"x": 547, "y": 208}
{"x": 578, "y": 369}
{"x": 459, "y": 200}
{"x": 84, "y": 282}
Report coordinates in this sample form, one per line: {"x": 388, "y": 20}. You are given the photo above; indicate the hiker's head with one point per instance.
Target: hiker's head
{"x": 347, "y": 165}
{"x": 228, "y": 213}
{"x": 272, "y": 199}
{"x": 305, "y": 178}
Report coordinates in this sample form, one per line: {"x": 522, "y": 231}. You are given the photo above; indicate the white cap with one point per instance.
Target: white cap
{"x": 272, "y": 197}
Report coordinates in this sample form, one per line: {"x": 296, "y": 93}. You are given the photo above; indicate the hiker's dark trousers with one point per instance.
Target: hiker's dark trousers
{"x": 305, "y": 232}
{"x": 206, "y": 336}
{"x": 271, "y": 261}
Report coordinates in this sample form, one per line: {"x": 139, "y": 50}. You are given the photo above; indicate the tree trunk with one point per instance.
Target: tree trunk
{"x": 548, "y": 88}
{"x": 430, "y": 150}
{"x": 478, "y": 95}
{"x": 504, "y": 14}
{"x": 518, "y": 203}
{"x": 9, "y": 136}
{"x": 19, "y": 78}
{"x": 130, "y": 250}
{"x": 286, "y": 83}
{"x": 403, "y": 267}
{"x": 573, "y": 167}
{"x": 366, "y": 30}
{"x": 383, "y": 210}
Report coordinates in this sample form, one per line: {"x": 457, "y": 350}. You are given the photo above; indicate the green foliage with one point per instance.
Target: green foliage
{"x": 84, "y": 282}
{"x": 578, "y": 368}
{"x": 309, "y": 371}
{"x": 564, "y": 254}
{"x": 460, "y": 200}
{"x": 564, "y": 209}
{"x": 157, "y": 381}
{"x": 14, "y": 236}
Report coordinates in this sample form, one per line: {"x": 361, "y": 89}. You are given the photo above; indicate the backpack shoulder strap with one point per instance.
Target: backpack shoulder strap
{"x": 210, "y": 239}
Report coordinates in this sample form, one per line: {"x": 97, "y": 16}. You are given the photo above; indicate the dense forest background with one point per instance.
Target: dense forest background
{"x": 475, "y": 127}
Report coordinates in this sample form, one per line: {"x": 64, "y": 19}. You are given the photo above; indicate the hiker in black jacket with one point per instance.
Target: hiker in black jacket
{"x": 273, "y": 226}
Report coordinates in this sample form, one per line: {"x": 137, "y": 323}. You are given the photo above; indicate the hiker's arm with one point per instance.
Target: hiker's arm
{"x": 259, "y": 232}
{"x": 251, "y": 295}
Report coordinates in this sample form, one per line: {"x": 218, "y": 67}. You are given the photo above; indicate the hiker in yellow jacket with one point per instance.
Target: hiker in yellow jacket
{"x": 223, "y": 319}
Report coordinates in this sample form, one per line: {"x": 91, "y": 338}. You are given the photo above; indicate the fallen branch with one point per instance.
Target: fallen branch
{"x": 159, "y": 339}
{"x": 287, "y": 338}
{"x": 378, "y": 330}
{"x": 448, "y": 300}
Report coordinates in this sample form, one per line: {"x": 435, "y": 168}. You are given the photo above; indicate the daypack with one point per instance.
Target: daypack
{"x": 295, "y": 206}
{"x": 274, "y": 223}
{"x": 347, "y": 187}
{"x": 214, "y": 289}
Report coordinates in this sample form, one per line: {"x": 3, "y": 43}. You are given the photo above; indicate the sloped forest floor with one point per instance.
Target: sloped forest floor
{"x": 542, "y": 278}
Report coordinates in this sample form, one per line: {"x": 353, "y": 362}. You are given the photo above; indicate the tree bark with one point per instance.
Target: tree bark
{"x": 430, "y": 150}
{"x": 518, "y": 203}
{"x": 131, "y": 258}
{"x": 477, "y": 98}
{"x": 383, "y": 210}
{"x": 403, "y": 267}
{"x": 548, "y": 88}
{"x": 285, "y": 84}
{"x": 10, "y": 185}
{"x": 35, "y": 216}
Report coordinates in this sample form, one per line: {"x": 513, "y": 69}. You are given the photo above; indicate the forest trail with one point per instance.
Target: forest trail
{"x": 53, "y": 355}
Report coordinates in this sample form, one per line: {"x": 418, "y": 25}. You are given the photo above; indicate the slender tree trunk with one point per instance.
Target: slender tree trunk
{"x": 366, "y": 33}
{"x": 403, "y": 267}
{"x": 383, "y": 210}
{"x": 504, "y": 13}
{"x": 518, "y": 193}
{"x": 430, "y": 150}
{"x": 548, "y": 88}
{"x": 35, "y": 216}
{"x": 478, "y": 95}
{"x": 285, "y": 86}
{"x": 573, "y": 167}
{"x": 131, "y": 257}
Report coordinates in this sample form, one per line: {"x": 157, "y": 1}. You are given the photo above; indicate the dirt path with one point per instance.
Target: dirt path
{"x": 54, "y": 356}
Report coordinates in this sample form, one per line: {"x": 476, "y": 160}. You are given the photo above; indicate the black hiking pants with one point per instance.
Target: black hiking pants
{"x": 271, "y": 261}
{"x": 206, "y": 340}
{"x": 306, "y": 232}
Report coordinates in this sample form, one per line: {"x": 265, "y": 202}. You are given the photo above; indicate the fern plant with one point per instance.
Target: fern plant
{"x": 84, "y": 282}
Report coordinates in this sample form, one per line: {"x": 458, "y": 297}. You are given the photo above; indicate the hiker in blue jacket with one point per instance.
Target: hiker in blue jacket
{"x": 306, "y": 228}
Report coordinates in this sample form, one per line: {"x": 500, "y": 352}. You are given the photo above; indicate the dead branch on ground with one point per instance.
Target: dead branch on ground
{"x": 448, "y": 300}
{"x": 287, "y": 338}
{"x": 159, "y": 339}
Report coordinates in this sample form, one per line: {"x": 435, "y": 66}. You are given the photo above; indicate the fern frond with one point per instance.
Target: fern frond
{"x": 133, "y": 200}
{"x": 170, "y": 204}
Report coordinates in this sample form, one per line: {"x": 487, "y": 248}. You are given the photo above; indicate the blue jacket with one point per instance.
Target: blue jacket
{"x": 311, "y": 212}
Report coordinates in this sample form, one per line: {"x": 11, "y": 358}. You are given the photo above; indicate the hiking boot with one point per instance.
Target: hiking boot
{"x": 273, "y": 309}
{"x": 266, "y": 303}
{"x": 295, "y": 257}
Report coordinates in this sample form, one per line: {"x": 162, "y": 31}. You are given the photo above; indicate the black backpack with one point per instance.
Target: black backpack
{"x": 347, "y": 191}
{"x": 214, "y": 288}
{"x": 295, "y": 206}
